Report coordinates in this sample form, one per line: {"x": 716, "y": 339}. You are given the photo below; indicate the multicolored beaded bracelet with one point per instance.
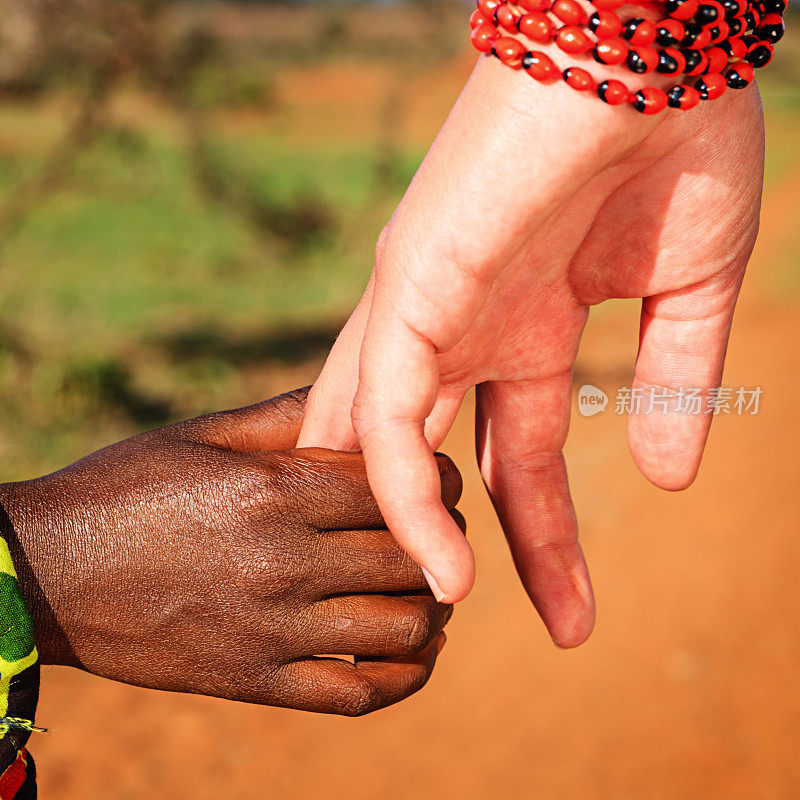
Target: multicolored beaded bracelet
{"x": 718, "y": 43}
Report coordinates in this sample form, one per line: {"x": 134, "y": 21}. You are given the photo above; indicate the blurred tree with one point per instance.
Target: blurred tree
{"x": 89, "y": 47}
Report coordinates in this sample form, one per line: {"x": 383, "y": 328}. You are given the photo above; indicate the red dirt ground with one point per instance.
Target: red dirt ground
{"x": 686, "y": 690}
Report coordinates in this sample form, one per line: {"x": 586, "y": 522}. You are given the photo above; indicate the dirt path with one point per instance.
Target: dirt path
{"x": 687, "y": 689}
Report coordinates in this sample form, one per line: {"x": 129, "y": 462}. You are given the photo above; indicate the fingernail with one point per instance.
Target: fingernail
{"x": 440, "y": 642}
{"x": 437, "y": 592}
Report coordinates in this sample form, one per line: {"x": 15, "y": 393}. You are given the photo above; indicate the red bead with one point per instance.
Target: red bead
{"x": 702, "y": 40}
{"x": 605, "y": 24}
{"x": 740, "y": 76}
{"x": 477, "y": 18}
{"x": 736, "y": 25}
{"x": 670, "y": 32}
{"x": 675, "y": 61}
{"x": 771, "y": 28}
{"x": 540, "y": 66}
{"x": 717, "y": 59}
{"x": 720, "y": 32}
{"x": 611, "y": 51}
{"x": 709, "y": 13}
{"x": 759, "y": 54}
{"x": 608, "y": 5}
{"x": 569, "y": 12}
{"x": 643, "y": 34}
{"x": 488, "y": 7}
{"x": 535, "y": 5}
{"x": 578, "y": 79}
{"x": 684, "y": 10}
{"x": 702, "y": 65}
{"x": 642, "y": 60}
{"x": 756, "y": 17}
{"x": 507, "y": 19}
{"x": 735, "y": 48}
{"x": 571, "y": 39}
{"x": 649, "y": 100}
{"x": 711, "y": 86}
{"x": 509, "y": 51}
{"x": 483, "y": 37}
{"x": 613, "y": 92}
{"x": 683, "y": 97}
{"x": 537, "y": 26}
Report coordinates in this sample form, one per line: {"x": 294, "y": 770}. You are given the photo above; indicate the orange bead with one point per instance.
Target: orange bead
{"x": 608, "y": 5}
{"x": 605, "y": 24}
{"x": 477, "y": 18}
{"x": 540, "y": 66}
{"x": 578, "y": 79}
{"x": 649, "y": 100}
{"x": 483, "y": 37}
{"x": 507, "y": 19}
{"x": 537, "y": 26}
{"x": 611, "y": 51}
{"x": 571, "y": 39}
{"x": 509, "y": 51}
{"x": 615, "y": 93}
{"x": 569, "y": 12}
{"x": 488, "y": 7}
{"x": 535, "y": 5}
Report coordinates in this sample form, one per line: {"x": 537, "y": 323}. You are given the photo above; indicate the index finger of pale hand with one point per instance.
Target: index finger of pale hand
{"x": 398, "y": 388}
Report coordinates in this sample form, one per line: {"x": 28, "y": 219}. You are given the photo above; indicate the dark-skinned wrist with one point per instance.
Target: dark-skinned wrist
{"x": 29, "y": 523}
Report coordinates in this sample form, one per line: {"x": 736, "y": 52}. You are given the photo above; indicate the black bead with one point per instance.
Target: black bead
{"x": 601, "y": 90}
{"x": 665, "y": 38}
{"x": 635, "y": 63}
{"x": 527, "y": 60}
{"x": 732, "y": 7}
{"x": 771, "y": 33}
{"x": 671, "y": 6}
{"x": 734, "y": 26}
{"x": 775, "y": 6}
{"x": 674, "y": 96}
{"x": 714, "y": 32}
{"x": 702, "y": 88}
{"x": 639, "y": 101}
{"x": 594, "y": 22}
{"x": 667, "y": 65}
{"x": 759, "y": 56}
{"x": 693, "y": 59}
{"x": 750, "y": 20}
{"x": 735, "y": 80}
{"x": 693, "y": 30}
{"x": 707, "y": 15}
{"x": 630, "y": 27}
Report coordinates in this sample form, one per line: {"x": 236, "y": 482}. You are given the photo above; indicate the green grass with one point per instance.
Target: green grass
{"x": 129, "y": 296}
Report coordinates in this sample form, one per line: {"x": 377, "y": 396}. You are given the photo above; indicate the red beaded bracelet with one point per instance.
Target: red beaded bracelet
{"x": 718, "y": 43}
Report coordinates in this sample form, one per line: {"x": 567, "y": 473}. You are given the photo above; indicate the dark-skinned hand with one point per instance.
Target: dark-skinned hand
{"x": 208, "y": 557}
